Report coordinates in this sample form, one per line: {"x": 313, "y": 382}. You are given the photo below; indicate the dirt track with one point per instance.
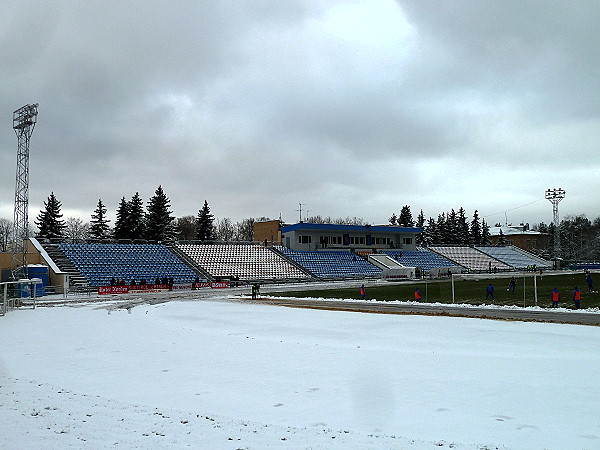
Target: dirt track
{"x": 516, "y": 314}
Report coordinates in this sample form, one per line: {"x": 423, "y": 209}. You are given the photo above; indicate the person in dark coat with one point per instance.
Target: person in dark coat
{"x": 512, "y": 285}
{"x": 489, "y": 291}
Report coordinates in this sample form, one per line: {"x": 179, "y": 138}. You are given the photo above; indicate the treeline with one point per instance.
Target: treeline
{"x": 579, "y": 237}
{"x": 450, "y": 228}
{"x": 154, "y": 222}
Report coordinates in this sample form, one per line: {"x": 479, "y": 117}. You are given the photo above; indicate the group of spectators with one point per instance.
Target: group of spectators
{"x": 143, "y": 282}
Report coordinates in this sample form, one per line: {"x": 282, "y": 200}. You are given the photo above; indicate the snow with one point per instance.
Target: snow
{"x": 223, "y": 374}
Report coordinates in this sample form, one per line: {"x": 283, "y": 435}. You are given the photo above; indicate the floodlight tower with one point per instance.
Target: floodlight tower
{"x": 555, "y": 196}
{"x": 24, "y": 120}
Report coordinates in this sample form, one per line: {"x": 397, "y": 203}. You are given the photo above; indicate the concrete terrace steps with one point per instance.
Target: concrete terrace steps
{"x": 76, "y": 278}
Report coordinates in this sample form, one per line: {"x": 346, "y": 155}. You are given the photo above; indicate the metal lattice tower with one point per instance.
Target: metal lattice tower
{"x": 24, "y": 120}
{"x": 555, "y": 196}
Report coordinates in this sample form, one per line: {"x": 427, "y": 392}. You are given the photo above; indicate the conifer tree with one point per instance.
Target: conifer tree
{"x": 136, "y": 217}
{"x": 393, "y": 220}
{"x": 405, "y": 219}
{"x": 501, "y": 239}
{"x": 462, "y": 232}
{"x": 451, "y": 227}
{"x": 442, "y": 230}
{"x": 204, "y": 224}
{"x": 159, "y": 221}
{"x": 431, "y": 233}
{"x": 485, "y": 233}
{"x": 475, "y": 231}
{"x": 121, "y": 230}
{"x": 99, "y": 228}
{"x": 49, "y": 220}
{"x": 421, "y": 237}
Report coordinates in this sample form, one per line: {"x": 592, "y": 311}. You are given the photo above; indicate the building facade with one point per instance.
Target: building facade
{"x": 318, "y": 236}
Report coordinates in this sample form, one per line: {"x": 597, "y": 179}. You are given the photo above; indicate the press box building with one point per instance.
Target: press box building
{"x": 318, "y": 236}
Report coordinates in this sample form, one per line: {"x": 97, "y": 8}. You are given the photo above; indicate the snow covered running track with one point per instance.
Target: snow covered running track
{"x": 217, "y": 374}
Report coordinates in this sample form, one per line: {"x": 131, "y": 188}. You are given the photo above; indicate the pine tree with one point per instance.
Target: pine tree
{"x": 405, "y": 219}
{"x": 393, "y": 220}
{"x": 421, "y": 237}
{"x": 442, "y": 230}
{"x": 452, "y": 227}
{"x": 462, "y": 232}
{"x": 136, "y": 217}
{"x": 475, "y": 232}
{"x": 99, "y": 228}
{"x": 485, "y": 233}
{"x": 49, "y": 220}
{"x": 204, "y": 224}
{"x": 121, "y": 230}
{"x": 501, "y": 240}
{"x": 159, "y": 221}
{"x": 431, "y": 233}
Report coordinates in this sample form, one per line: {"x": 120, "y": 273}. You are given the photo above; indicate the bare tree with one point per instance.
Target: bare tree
{"x": 76, "y": 230}
{"x": 244, "y": 230}
{"x": 6, "y": 227}
{"x": 224, "y": 230}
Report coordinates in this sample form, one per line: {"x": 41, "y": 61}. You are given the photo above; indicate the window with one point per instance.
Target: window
{"x": 304, "y": 239}
{"x": 407, "y": 241}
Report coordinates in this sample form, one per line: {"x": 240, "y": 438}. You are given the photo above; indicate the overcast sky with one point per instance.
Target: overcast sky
{"x": 352, "y": 108}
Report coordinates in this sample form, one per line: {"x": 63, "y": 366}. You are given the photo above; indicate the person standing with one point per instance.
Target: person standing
{"x": 555, "y": 297}
{"x": 363, "y": 292}
{"x": 417, "y": 295}
{"x": 576, "y": 297}
{"x": 512, "y": 285}
{"x": 590, "y": 282}
{"x": 489, "y": 291}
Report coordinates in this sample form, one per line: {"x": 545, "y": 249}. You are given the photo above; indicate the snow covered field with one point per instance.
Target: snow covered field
{"x": 217, "y": 374}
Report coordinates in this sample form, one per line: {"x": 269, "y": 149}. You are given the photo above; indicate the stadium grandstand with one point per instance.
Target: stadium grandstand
{"x": 422, "y": 258}
{"x": 330, "y": 264}
{"x": 515, "y": 257}
{"x": 315, "y": 251}
{"x": 99, "y": 263}
{"x": 246, "y": 262}
{"x": 471, "y": 258}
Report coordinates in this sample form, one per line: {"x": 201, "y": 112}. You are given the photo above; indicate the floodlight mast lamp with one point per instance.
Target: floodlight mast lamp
{"x": 555, "y": 196}
{"x": 24, "y": 120}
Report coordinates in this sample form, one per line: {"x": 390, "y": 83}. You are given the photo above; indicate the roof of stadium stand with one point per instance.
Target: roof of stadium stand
{"x": 355, "y": 228}
{"x": 512, "y": 229}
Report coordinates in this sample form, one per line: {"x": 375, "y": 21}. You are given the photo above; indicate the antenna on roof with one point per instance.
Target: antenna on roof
{"x": 300, "y": 210}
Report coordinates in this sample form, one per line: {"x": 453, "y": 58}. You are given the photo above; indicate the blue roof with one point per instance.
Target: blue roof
{"x": 352, "y": 228}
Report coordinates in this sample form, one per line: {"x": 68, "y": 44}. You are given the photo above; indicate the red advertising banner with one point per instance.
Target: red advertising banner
{"x": 107, "y": 290}
{"x": 213, "y": 285}
{"x": 149, "y": 287}
{"x": 139, "y": 288}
